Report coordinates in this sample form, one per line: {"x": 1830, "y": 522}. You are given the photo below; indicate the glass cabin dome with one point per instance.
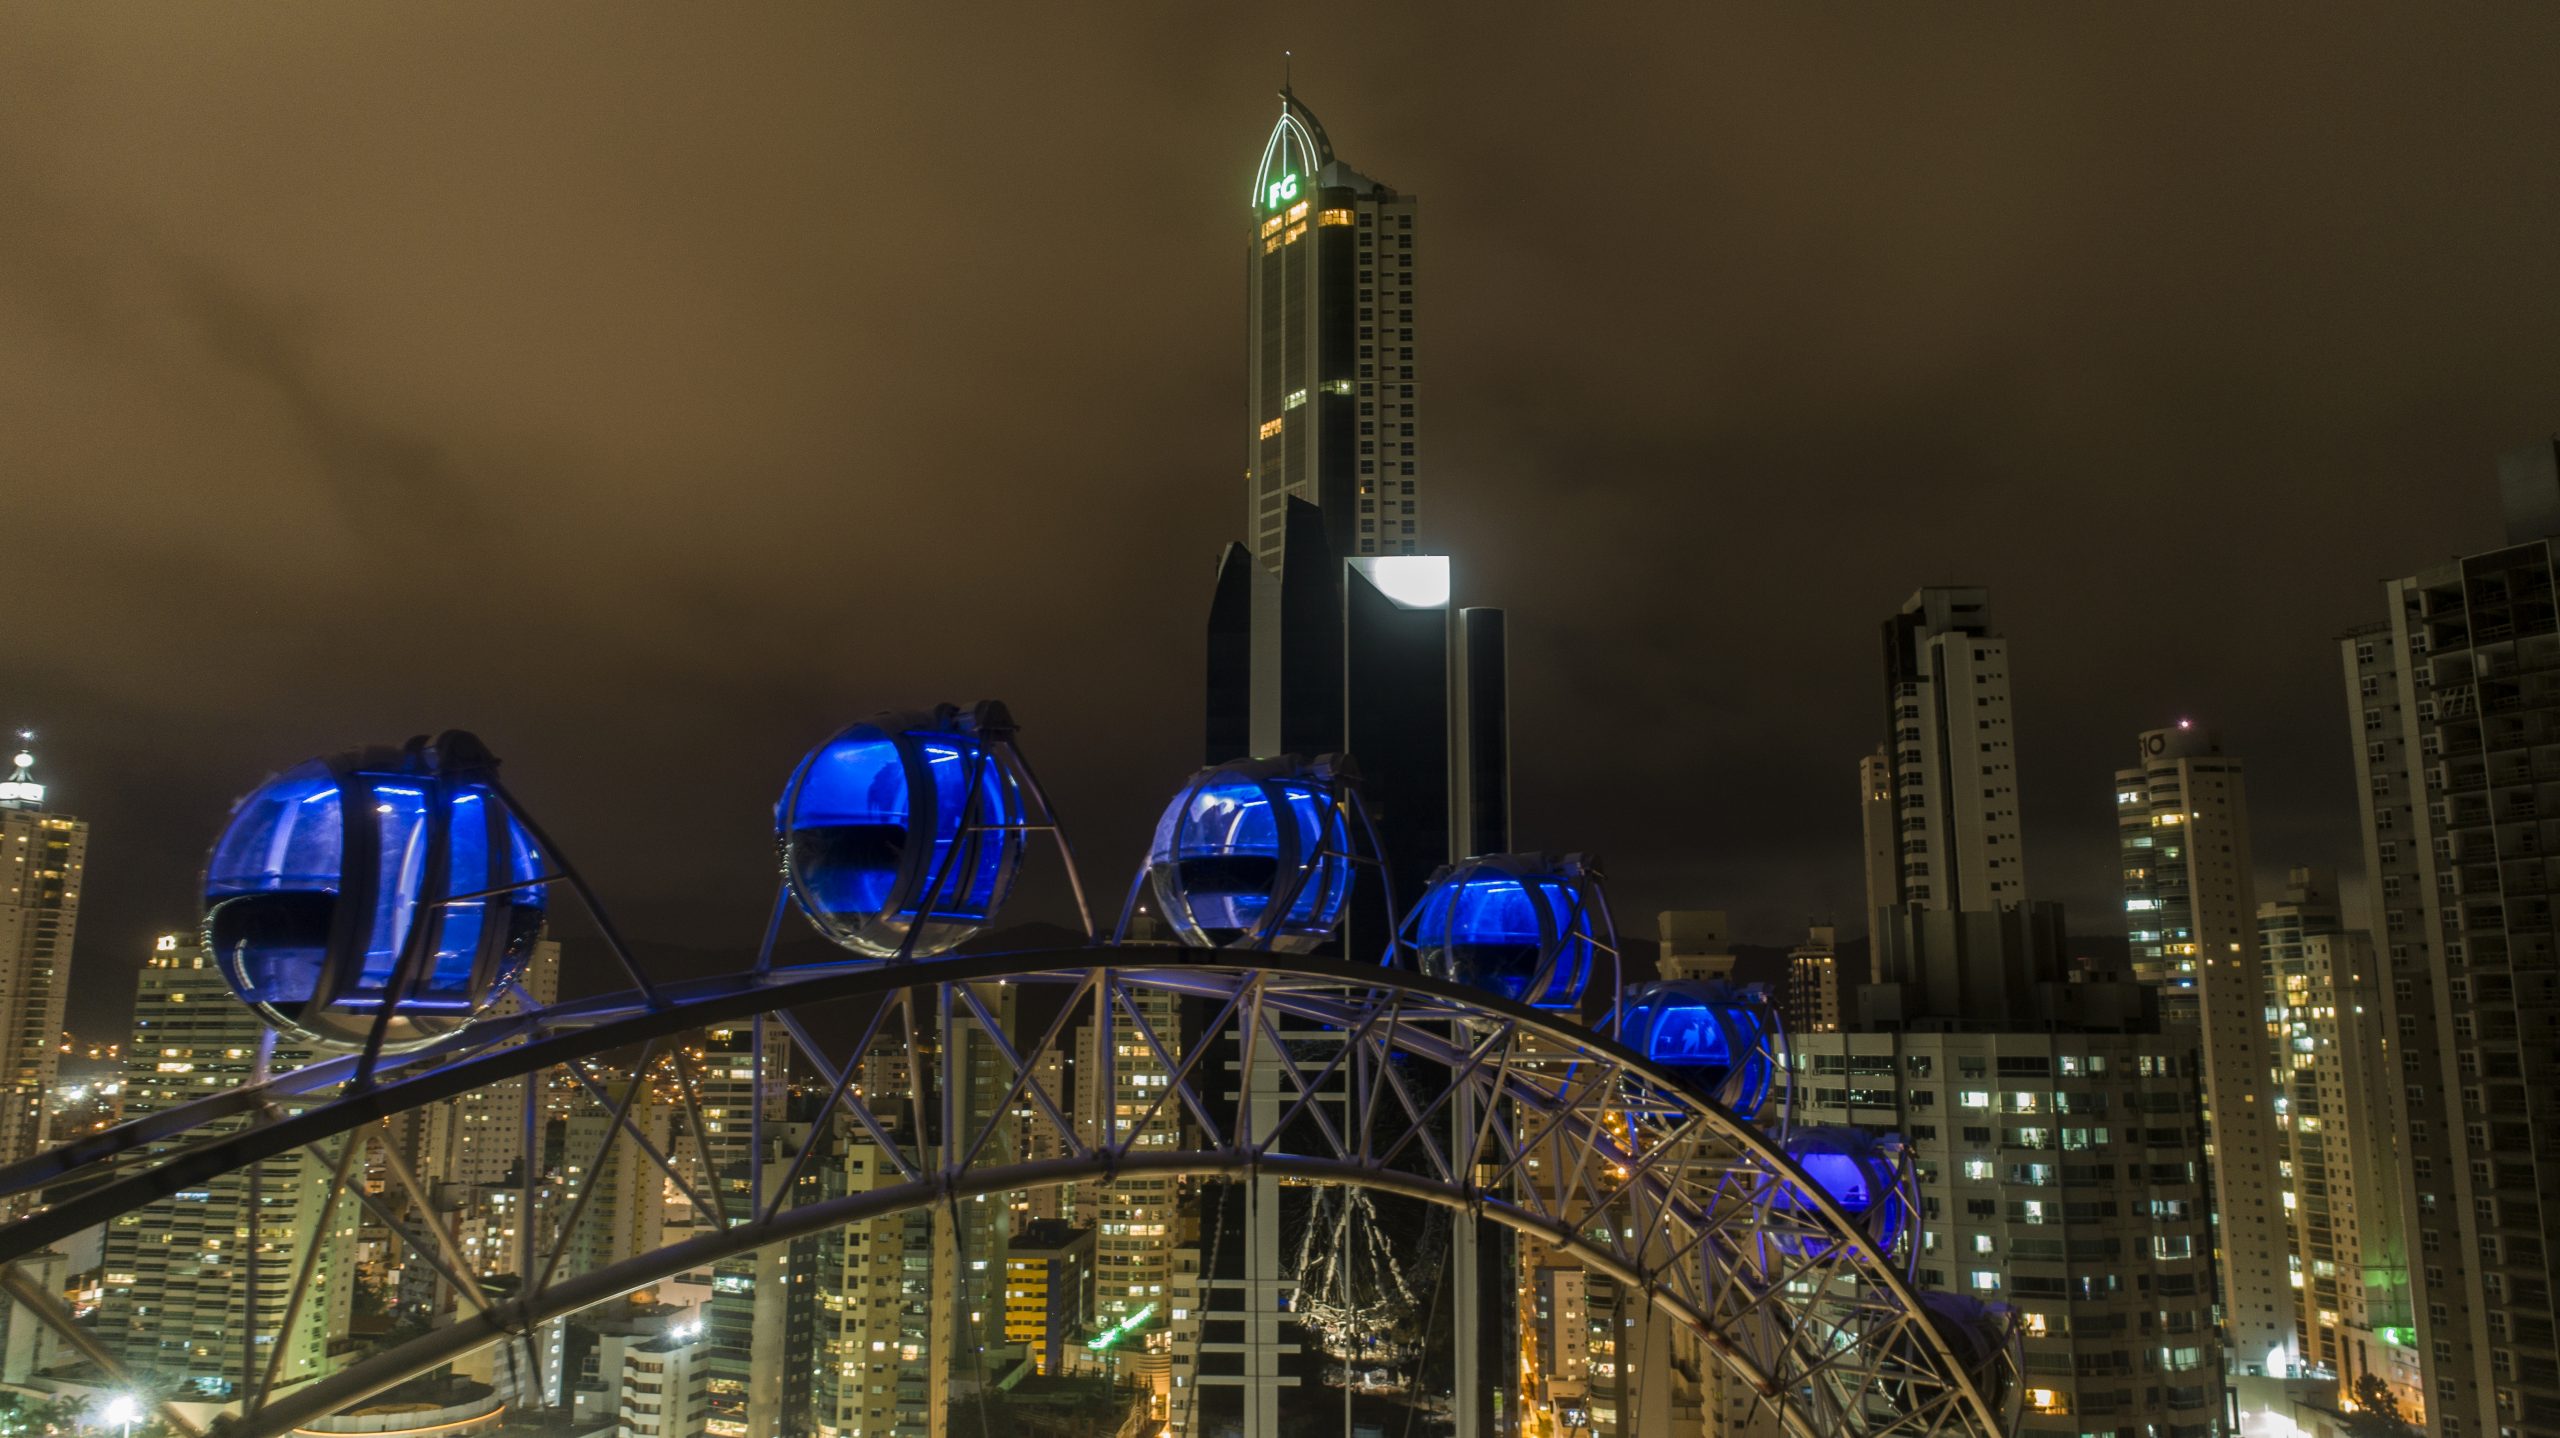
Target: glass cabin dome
{"x": 901, "y": 836}
{"x": 1255, "y": 854}
{"x": 371, "y": 878}
{"x": 1861, "y": 1171}
{"x": 1523, "y": 926}
{"x": 1725, "y": 1039}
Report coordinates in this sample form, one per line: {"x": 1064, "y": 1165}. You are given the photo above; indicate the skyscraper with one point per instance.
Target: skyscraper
{"x": 2061, "y": 1169}
{"x": 1136, "y": 1224}
{"x": 2191, "y": 921}
{"x": 177, "y": 1270}
{"x": 1881, "y": 829}
{"x": 1331, "y": 632}
{"x": 1332, "y": 412}
{"x": 2054, "y": 1143}
{"x": 2453, "y": 707}
{"x": 867, "y": 1380}
{"x": 41, "y": 858}
{"x": 2333, "y": 1109}
{"x": 1955, "y": 778}
{"x": 1811, "y": 1003}
{"x": 477, "y": 1139}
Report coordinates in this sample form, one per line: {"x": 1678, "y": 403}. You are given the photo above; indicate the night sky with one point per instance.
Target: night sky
{"x": 654, "y": 390}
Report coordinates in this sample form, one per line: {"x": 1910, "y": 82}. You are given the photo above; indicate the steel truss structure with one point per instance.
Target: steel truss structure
{"x": 1390, "y": 1081}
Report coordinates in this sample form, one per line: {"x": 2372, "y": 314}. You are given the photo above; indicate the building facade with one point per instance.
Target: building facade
{"x": 1333, "y": 415}
{"x": 1880, "y": 828}
{"x": 2192, "y": 926}
{"x": 662, "y": 1383}
{"x": 2333, "y": 1105}
{"x": 1696, "y": 944}
{"x": 1811, "y": 1003}
{"x": 42, "y": 857}
{"x": 1330, "y": 633}
{"x": 176, "y": 1271}
{"x": 476, "y": 1140}
{"x": 1953, "y": 756}
{"x": 868, "y": 1382}
{"x": 1048, "y": 1291}
{"x": 2454, "y": 701}
{"x": 2058, "y": 1173}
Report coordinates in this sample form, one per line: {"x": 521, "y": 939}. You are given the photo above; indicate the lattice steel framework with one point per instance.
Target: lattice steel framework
{"x": 1390, "y": 1080}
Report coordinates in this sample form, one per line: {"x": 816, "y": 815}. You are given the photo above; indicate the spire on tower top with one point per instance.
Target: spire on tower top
{"x": 20, "y": 790}
{"x": 1297, "y": 146}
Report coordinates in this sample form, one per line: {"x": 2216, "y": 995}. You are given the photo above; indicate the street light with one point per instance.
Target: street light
{"x": 123, "y": 1409}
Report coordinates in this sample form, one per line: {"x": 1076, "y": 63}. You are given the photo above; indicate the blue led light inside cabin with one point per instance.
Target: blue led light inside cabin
{"x": 869, "y": 864}
{"x": 1233, "y": 845}
{"x": 1497, "y": 931}
{"x": 1858, "y": 1171}
{"x": 277, "y": 875}
{"x": 1712, "y": 1033}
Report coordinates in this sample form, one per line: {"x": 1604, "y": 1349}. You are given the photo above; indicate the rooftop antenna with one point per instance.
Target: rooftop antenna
{"x": 1284, "y": 72}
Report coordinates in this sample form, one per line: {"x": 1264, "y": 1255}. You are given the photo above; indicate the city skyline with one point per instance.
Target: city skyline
{"x": 655, "y": 404}
{"x": 345, "y": 354}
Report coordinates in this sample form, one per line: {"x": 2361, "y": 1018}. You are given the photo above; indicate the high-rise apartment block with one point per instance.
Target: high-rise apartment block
{"x": 2455, "y": 705}
{"x": 661, "y": 1382}
{"x": 1333, "y": 408}
{"x": 477, "y": 1140}
{"x": 179, "y": 1272}
{"x": 1952, "y": 755}
{"x": 868, "y": 1380}
{"x": 42, "y": 855}
{"x": 2333, "y": 1109}
{"x": 1048, "y": 1291}
{"x": 2058, "y": 1175}
{"x": 1811, "y": 1003}
{"x": 1880, "y": 828}
{"x": 1134, "y": 1217}
{"x": 1041, "y": 1140}
{"x": 2052, "y": 1125}
{"x": 2191, "y": 921}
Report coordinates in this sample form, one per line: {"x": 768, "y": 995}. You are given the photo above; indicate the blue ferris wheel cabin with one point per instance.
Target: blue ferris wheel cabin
{"x": 1255, "y": 854}
{"x": 1726, "y": 1040}
{"x": 900, "y": 837}
{"x": 1860, "y": 1171}
{"x": 371, "y": 878}
{"x": 1516, "y": 925}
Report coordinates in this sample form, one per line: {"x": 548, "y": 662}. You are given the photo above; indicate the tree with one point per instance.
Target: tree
{"x": 2377, "y": 1412}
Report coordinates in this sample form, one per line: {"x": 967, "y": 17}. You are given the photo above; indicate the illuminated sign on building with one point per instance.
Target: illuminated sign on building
{"x": 1121, "y": 1329}
{"x": 1280, "y": 192}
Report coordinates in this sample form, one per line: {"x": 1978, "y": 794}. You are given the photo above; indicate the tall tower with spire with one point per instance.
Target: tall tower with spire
{"x": 1333, "y": 398}
{"x": 1332, "y": 631}
{"x": 42, "y": 854}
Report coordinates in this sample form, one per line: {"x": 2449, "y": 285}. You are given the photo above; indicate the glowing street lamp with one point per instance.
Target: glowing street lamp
{"x": 124, "y": 1410}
